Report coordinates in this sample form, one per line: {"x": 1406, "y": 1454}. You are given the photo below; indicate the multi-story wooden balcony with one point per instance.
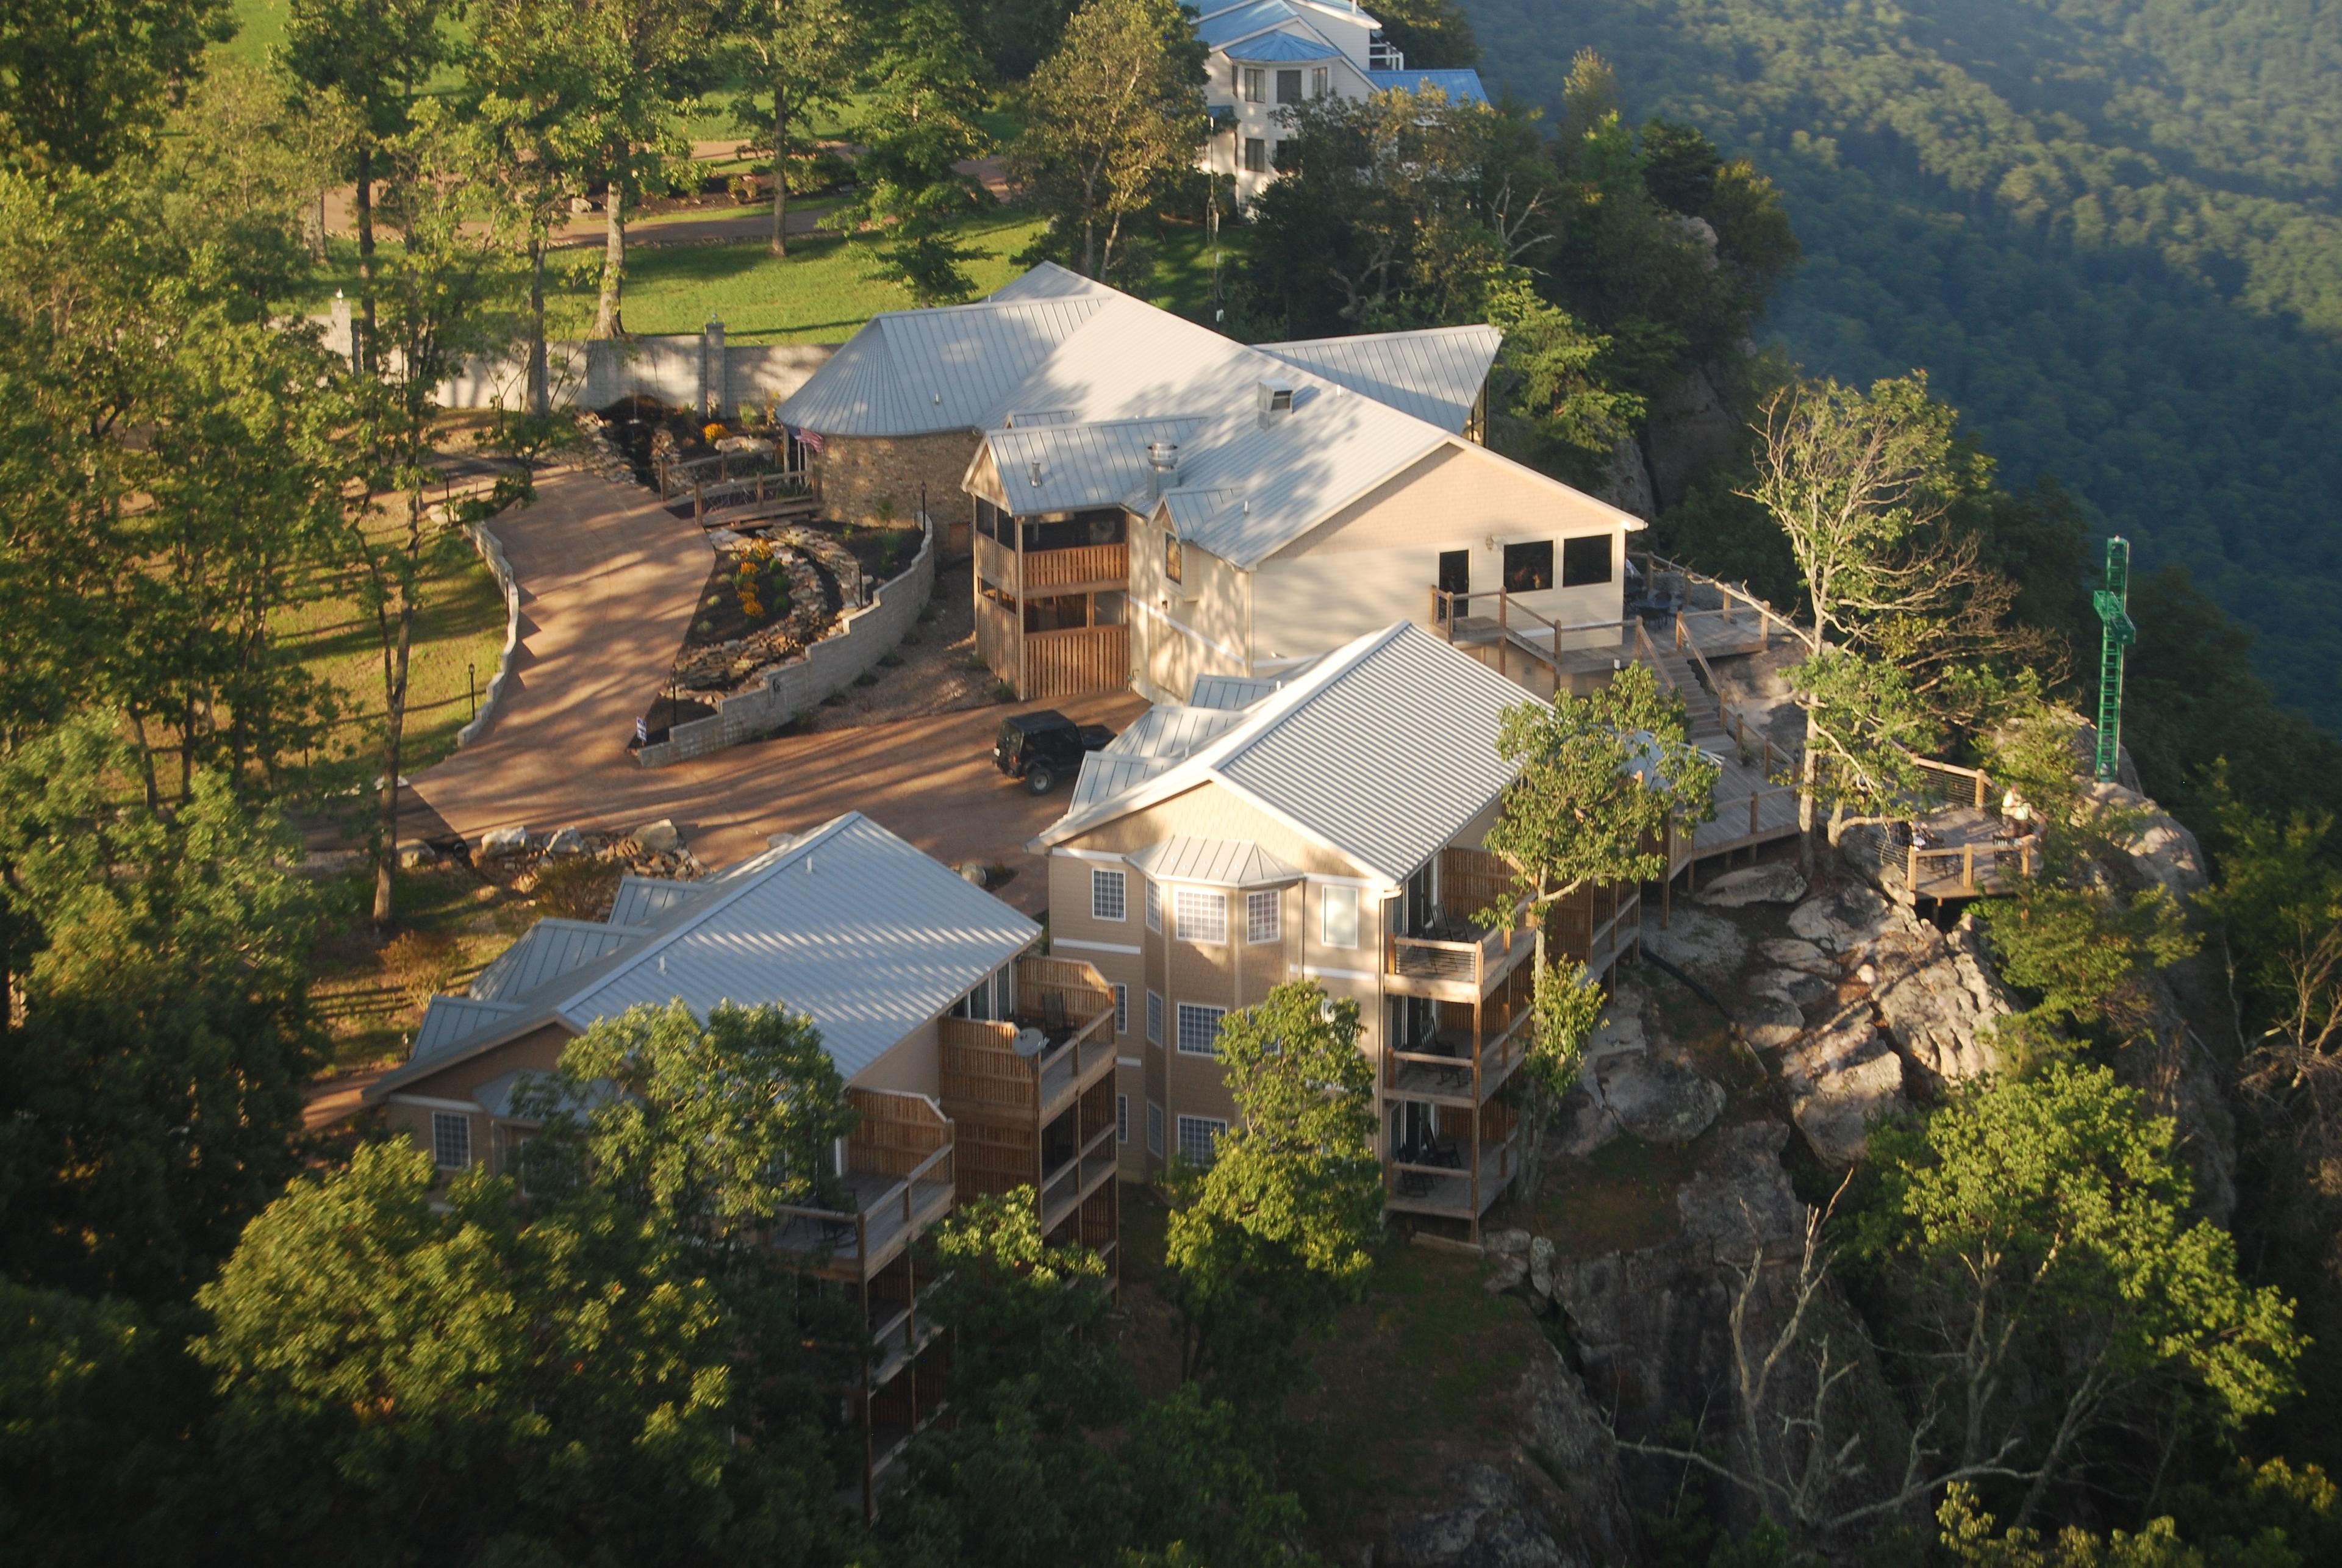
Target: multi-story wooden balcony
{"x": 1033, "y": 1097}
{"x": 900, "y": 1178}
{"x": 1459, "y": 1170}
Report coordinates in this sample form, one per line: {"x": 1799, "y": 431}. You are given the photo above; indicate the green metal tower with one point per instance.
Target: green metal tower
{"x": 2113, "y": 601}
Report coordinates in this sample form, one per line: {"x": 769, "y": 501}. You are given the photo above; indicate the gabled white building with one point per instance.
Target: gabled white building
{"x": 1267, "y": 55}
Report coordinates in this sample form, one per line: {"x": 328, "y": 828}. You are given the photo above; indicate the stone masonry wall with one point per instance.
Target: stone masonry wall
{"x": 787, "y": 691}
{"x": 858, "y": 473}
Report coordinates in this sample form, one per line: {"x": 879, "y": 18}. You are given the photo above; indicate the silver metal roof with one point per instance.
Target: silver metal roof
{"x": 1046, "y": 281}
{"x": 1244, "y": 691}
{"x": 449, "y": 1021}
{"x": 1384, "y": 749}
{"x": 643, "y": 899}
{"x": 1093, "y": 465}
{"x": 1435, "y": 375}
{"x": 1220, "y": 861}
{"x": 1173, "y": 730}
{"x": 846, "y": 924}
{"x": 1103, "y": 777}
{"x": 915, "y": 371}
{"x": 551, "y": 949}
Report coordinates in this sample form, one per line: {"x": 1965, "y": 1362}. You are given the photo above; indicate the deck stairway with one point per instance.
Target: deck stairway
{"x": 1705, "y": 726}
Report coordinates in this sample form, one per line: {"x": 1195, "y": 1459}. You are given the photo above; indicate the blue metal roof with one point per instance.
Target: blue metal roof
{"x": 1281, "y": 46}
{"x": 1218, "y": 29}
{"x": 1460, "y": 85}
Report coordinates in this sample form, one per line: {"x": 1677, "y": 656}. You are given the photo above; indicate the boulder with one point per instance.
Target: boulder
{"x": 499, "y": 841}
{"x": 1791, "y": 953}
{"x": 2161, "y": 848}
{"x": 1705, "y": 946}
{"x": 1841, "y": 1078}
{"x": 415, "y": 851}
{"x": 1777, "y": 881}
{"x": 1843, "y": 916}
{"x": 568, "y": 840}
{"x": 1515, "y": 1240}
{"x": 1541, "y": 1257}
{"x": 660, "y": 837}
{"x": 974, "y": 871}
{"x": 1938, "y": 996}
{"x": 1621, "y": 1030}
{"x": 1799, "y": 987}
{"x": 1657, "y": 1101}
{"x": 750, "y": 446}
{"x": 1770, "y": 1022}
{"x": 1503, "y": 1274}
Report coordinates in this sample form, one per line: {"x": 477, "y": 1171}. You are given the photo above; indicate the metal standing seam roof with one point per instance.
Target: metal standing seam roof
{"x": 643, "y": 899}
{"x": 1461, "y": 85}
{"x": 1100, "y": 464}
{"x": 552, "y": 948}
{"x": 1158, "y": 739}
{"x": 1046, "y": 280}
{"x": 847, "y": 924}
{"x": 1218, "y": 861}
{"x": 1435, "y": 375}
{"x": 1384, "y": 751}
{"x": 918, "y": 371}
{"x": 1282, "y": 45}
{"x": 1224, "y": 27}
{"x": 1243, "y": 691}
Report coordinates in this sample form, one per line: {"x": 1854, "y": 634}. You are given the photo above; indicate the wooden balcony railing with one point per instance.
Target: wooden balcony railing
{"x": 1063, "y": 1190}
{"x": 1040, "y": 572}
{"x": 1429, "y": 965}
{"x": 1001, "y": 1099}
{"x": 1453, "y": 1076}
{"x": 1075, "y": 661}
{"x": 856, "y": 1242}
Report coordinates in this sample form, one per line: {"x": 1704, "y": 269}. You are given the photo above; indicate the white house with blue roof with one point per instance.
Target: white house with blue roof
{"x": 1268, "y": 54}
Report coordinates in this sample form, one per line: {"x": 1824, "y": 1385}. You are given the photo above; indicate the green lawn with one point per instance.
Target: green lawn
{"x": 459, "y": 635}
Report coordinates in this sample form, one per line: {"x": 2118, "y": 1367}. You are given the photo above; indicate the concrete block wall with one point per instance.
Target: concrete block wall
{"x": 789, "y": 691}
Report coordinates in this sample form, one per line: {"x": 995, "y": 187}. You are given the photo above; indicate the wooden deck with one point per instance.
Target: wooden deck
{"x": 882, "y": 1215}
{"x": 1451, "y": 1193}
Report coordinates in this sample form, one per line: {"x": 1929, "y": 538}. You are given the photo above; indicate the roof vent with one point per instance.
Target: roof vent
{"x": 1275, "y": 400}
{"x": 1036, "y": 473}
{"x": 1162, "y": 462}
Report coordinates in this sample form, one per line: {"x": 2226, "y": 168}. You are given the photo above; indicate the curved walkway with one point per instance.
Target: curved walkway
{"x": 608, "y": 584}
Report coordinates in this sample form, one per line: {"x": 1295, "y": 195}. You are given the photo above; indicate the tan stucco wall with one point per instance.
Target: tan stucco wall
{"x": 912, "y": 1066}
{"x": 858, "y": 473}
{"x": 538, "y": 1051}
{"x": 1376, "y": 560}
{"x": 1200, "y": 625}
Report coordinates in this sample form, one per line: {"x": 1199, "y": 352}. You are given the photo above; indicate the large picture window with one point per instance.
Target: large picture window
{"x": 1199, "y": 1029}
{"x": 1203, "y": 917}
{"x": 1528, "y": 567}
{"x": 451, "y": 1140}
{"x": 1586, "y": 561}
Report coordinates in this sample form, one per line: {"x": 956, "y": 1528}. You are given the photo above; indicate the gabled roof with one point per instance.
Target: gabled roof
{"x": 1435, "y": 374}
{"x": 1461, "y": 86}
{"x": 847, "y": 924}
{"x": 1219, "y": 862}
{"x": 552, "y": 948}
{"x": 913, "y": 371}
{"x": 1384, "y": 749}
{"x": 1225, "y": 27}
{"x": 643, "y": 899}
{"x": 1078, "y": 465}
{"x": 1047, "y": 280}
{"x": 1270, "y": 46}
{"x": 1158, "y": 739}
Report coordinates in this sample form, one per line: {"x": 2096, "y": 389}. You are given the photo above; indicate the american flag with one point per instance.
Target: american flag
{"x": 808, "y": 439}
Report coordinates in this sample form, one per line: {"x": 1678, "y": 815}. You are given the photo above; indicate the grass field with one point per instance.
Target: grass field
{"x": 458, "y": 637}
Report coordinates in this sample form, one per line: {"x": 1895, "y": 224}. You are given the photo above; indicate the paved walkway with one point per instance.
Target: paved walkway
{"x": 608, "y": 584}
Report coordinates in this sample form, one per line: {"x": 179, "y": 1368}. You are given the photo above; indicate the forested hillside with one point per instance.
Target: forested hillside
{"x": 2107, "y": 228}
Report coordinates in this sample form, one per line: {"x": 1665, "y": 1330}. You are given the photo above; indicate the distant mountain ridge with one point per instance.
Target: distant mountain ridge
{"x": 2110, "y": 230}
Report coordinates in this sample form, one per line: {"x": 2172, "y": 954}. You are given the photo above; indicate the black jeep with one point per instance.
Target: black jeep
{"x": 1042, "y": 747}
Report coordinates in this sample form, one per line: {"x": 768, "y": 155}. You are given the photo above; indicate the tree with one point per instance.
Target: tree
{"x": 1113, "y": 121}
{"x": 633, "y": 61}
{"x": 159, "y": 1030}
{"x": 1433, "y": 34}
{"x": 371, "y": 59}
{"x": 795, "y": 59}
{"x": 83, "y": 84}
{"x": 1021, "y": 1309}
{"x": 1601, "y": 781}
{"x": 1564, "y": 1009}
{"x": 918, "y": 121}
{"x": 1278, "y": 1229}
{"x": 2038, "y": 1228}
{"x": 438, "y": 298}
{"x": 402, "y": 1371}
{"x": 1546, "y": 390}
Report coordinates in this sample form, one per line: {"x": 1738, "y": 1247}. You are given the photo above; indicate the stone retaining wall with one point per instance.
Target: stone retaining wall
{"x": 492, "y": 551}
{"x": 785, "y": 692}
{"x": 862, "y": 475}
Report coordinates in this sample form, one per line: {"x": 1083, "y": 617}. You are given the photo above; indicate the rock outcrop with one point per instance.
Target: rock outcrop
{"x": 1775, "y": 881}
{"x": 1938, "y": 997}
{"x": 1628, "y": 1087}
{"x": 1842, "y": 1077}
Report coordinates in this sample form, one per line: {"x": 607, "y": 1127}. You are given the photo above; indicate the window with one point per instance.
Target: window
{"x": 1341, "y": 911}
{"x": 1122, "y": 1010}
{"x": 1276, "y": 159}
{"x": 1255, "y": 157}
{"x": 1318, "y": 82}
{"x": 1253, "y": 77}
{"x": 1198, "y": 1138}
{"x": 1203, "y": 917}
{"x": 1122, "y": 1118}
{"x": 1456, "y": 570}
{"x": 1154, "y": 1018}
{"x": 1108, "y": 896}
{"x": 1261, "y": 911}
{"x": 1174, "y": 554}
{"x": 1199, "y": 1029}
{"x": 1528, "y": 566}
{"x": 451, "y": 1140}
{"x": 1586, "y": 560}
{"x": 1155, "y": 1129}
{"x": 1288, "y": 86}
{"x": 1153, "y": 907}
